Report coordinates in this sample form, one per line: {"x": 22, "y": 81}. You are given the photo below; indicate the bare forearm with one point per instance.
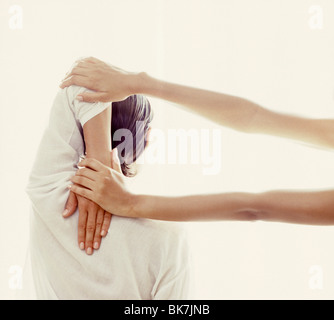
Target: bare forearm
{"x": 224, "y": 207}
{"x": 310, "y": 208}
{"x": 241, "y": 114}
{"x": 226, "y": 110}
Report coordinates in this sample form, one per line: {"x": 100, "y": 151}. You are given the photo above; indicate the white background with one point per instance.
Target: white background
{"x": 266, "y": 51}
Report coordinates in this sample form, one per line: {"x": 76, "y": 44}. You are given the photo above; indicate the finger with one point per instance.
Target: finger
{"x": 83, "y": 181}
{"x": 81, "y": 63}
{"x": 79, "y": 70}
{"x": 84, "y": 64}
{"x": 87, "y": 173}
{"x": 90, "y": 229}
{"x": 93, "y": 164}
{"x": 81, "y": 191}
{"x": 71, "y": 74}
{"x": 81, "y": 59}
{"x": 82, "y": 223}
{"x": 75, "y": 80}
{"x": 106, "y": 224}
{"x": 87, "y": 60}
{"x": 92, "y": 60}
{"x": 98, "y": 229}
{"x": 115, "y": 163}
{"x": 93, "y": 97}
{"x": 71, "y": 205}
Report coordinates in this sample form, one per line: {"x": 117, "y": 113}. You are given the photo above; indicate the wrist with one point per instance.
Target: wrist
{"x": 103, "y": 158}
{"x": 141, "y": 83}
{"x": 136, "y": 207}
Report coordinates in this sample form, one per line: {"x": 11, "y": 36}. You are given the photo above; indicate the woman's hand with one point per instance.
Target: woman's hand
{"x": 110, "y": 83}
{"x": 93, "y": 224}
{"x": 104, "y": 186}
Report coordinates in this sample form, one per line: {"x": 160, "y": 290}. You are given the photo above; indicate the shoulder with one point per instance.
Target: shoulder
{"x": 66, "y": 97}
{"x": 71, "y": 92}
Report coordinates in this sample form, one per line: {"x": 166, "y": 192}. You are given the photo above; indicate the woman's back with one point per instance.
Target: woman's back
{"x": 139, "y": 259}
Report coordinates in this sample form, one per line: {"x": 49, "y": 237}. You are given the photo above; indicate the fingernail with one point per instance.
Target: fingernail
{"x": 96, "y": 245}
{"x": 80, "y": 98}
{"x": 89, "y": 251}
{"x": 82, "y": 246}
{"x": 103, "y": 233}
{"x": 69, "y": 186}
{"x": 65, "y": 212}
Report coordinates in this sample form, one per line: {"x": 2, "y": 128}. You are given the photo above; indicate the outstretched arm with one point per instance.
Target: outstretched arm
{"x": 107, "y": 187}
{"x": 309, "y": 208}
{"x": 241, "y": 114}
{"x": 113, "y": 84}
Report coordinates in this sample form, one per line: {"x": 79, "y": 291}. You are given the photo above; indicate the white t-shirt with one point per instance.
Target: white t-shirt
{"x": 139, "y": 258}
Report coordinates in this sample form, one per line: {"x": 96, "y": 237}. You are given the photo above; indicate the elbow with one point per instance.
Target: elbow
{"x": 254, "y": 208}
{"x": 251, "y": 215}
{"x": 249, "y": 124}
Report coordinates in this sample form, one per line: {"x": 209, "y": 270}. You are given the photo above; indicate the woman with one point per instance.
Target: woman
{"x": 96, "y": 181}
{"x": 139, "y": 259}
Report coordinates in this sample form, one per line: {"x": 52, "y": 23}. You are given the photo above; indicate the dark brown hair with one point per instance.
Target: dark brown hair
{"x": 133, "y": 114}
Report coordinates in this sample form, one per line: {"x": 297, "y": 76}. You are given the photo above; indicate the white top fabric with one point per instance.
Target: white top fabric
{"x": 139, "y": 259}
